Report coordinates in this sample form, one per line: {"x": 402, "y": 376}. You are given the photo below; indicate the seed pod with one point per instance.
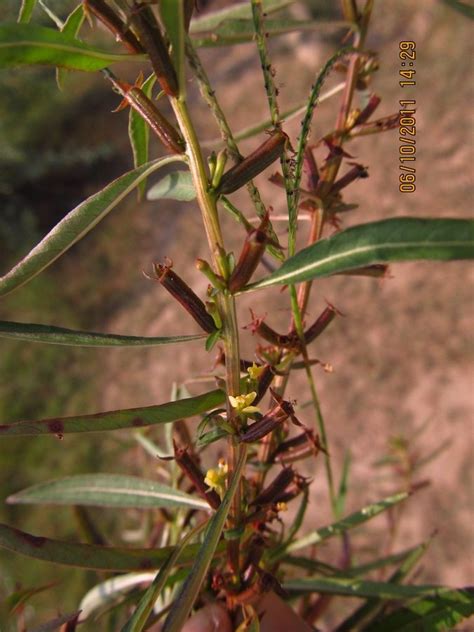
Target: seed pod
{"x": 113, "y": 22}
{"x": 184, "y": 294}
{"x": 169, "y": 135}
{"x": 299, "y": 484}
{"x": 258, "y": 326}
{"x": 250, "y": 257}
{"x": 369, "y": 109}
{"x": 269, "y": 422}
{"x": 276, "y": 487}
{"x": 357, "y": 171}
{"x": 320, "y": 324}
{"x": 145, "y": 24}
{"x": 190, "y": 468}
{"x": 264, "y": 382}
{"x": 253, "y": 164}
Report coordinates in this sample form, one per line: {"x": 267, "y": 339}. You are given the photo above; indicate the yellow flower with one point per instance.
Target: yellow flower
{"x": 255, "y": 371}
{"x": 242, "y": 403}
{"x": 216, "y": 478}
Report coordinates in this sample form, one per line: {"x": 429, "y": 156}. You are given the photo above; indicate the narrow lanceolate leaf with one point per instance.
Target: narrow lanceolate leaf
{"x": 360, "y": 588}
{"x": 351, "y": 521}
{"x": 241, "y": 10}
{"x": 118, "y": 419}
{"x": 105, "y": 558}
{"x": 111, "y": 591}
{"x": 138, "y": 620}
{"x": 22, "y": 44}
{"x": 172, "y": 15}
{"x": 26, "y": 10}
{"x": 398, "y": 239}
{"x": 177, "y": 185}
{"x": 71, "y": 28}
{"x": 439, "y": 613}
{"x": 191, "y": 587}
{"x": 61, "y": 336}
{"x": 139, "y": 133}
{"x": 76, "y": 224}
{"x": 107, "y": 490}
{"x": 463, "y": 7}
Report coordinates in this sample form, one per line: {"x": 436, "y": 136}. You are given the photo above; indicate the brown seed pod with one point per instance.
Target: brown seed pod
{"x": 276, "y": 487}
{"x": 185, "y": 295}
{"x": 250, "y": 257}
{"x": 190, "y": 468}
{"x": 320, "y": 324}
{"x": 149, "y": 34}
{"x": 253, "y": 164}
{"x": 169, "y": 135}
{"x": 114, "y": 23}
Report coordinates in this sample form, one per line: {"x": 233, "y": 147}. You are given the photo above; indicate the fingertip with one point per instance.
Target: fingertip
{"x": 211, "y": 618}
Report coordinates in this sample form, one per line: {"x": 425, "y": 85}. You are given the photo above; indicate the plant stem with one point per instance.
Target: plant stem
{"x": 226, "y": 302}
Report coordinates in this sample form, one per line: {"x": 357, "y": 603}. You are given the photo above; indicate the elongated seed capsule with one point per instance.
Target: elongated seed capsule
{"x": 264, "y": 382}
{"x": 271, "y": 420}
{"x": 320, "y": 324}
{"x": 258, "y": 326}
{"x": 300, "y": 483}
{"x": 250, "y": 257}
{"x": 149, "y": 34}
{"x": 276, "y": 487}
{"x": 185, "y": 295}
{"x": 369, "y": 109}
{"x": 291, "y": 444}
{"x": 168, "y": 134}
{"x": 189, "y": 6}
{"x": 312, "y": 170}
{"x": 114, "y": 23}
{"x": 373, "y": 270}
{"x": 253, "y": 164}
{"x": 190, "y": 468}
{"x": 357, "y": 171}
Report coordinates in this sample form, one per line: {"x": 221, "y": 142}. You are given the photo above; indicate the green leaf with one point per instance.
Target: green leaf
{"x": 438, "y": 613}
{"x": 103, "y": 558}
{"x": 191, "y": 587}
{"x": 462, "y": 7}
{"x": 351, "y": 521}
{"x": 31, "y": 44}
{"x": 61, "y": 336}
{"x": 172, "y": 14}
{"x": 71, "y": 28}
{"x": 139, "y": 134}
{"x": 118, "y": 419}
{"x": 397, "y": 239}
{"x": 106, "y": 490}
{"x": 350, "y": 587}
{"x": 241, "y": 10}
{"x": 76, "y": 224}
{"x": 238, "y": 31}
{"x": 139, "y": 618}
{"x": 110, "y": 592}
{"x": 177, "y": 185}
{"x": 373, "y": 606}
{"x": 26, "y": 11}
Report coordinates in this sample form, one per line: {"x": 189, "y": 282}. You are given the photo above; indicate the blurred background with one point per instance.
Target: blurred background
{"x": 401, "y": 389}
